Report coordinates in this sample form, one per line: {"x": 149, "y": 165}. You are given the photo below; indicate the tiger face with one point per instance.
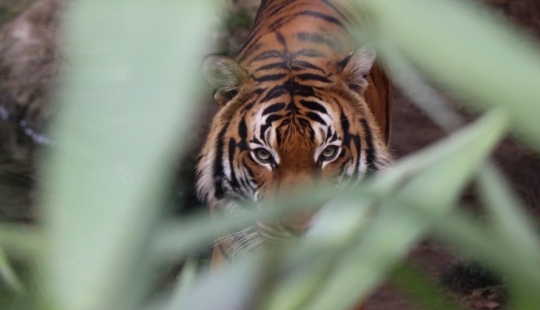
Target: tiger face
{"x": 282, "y": 131}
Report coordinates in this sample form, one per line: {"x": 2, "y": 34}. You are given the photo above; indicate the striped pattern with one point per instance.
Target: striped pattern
{"x": 299, "y": 93}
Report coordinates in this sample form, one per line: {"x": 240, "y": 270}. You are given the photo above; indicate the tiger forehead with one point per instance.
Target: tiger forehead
{"x": 277, "y": 100}
{"x": 305, "y": 122}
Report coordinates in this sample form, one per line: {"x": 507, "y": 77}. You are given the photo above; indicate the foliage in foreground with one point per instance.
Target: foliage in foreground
{"x": 104, "y": 231}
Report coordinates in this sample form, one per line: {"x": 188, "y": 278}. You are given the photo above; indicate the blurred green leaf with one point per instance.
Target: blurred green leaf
{"x": 8, "y": 274}
{"x": 507, "y": 213}
{"x": 472, "y": 53}
{"x": 24, "y": 239}
{"x": 187, "y": 277}
{"x": 396, "y": 227}
{"x": 130, "y": 77}
{"x": 230, "y": 288}
{"x": 468, "y": 236}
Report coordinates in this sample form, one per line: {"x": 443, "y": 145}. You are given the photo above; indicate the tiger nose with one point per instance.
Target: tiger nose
{"x": 299, "y": 222}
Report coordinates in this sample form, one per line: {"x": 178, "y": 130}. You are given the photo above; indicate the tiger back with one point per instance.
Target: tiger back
{"x": 302, "y": 102}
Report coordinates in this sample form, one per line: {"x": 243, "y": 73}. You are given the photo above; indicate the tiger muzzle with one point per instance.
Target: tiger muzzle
{"x": 298, "y": 222}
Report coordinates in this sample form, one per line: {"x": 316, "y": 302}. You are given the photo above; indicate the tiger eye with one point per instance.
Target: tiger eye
{"x": 329, "y": 152}
{"x": 263, "y": 155}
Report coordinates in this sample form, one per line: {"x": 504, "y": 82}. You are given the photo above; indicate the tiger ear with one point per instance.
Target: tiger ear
{"x": 356, "y": 67}
{"x": 224, "y": 75}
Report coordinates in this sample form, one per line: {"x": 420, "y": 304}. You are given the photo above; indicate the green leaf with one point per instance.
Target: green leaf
{"x": 433, "y": 189}
{"x": 230, "y": 288}
{"x": 129, "y": 79}
{"x": 472, "y": 53}
{"x": 8, "y": 274}
{"x": 24, "y": 239}
{"x": 508, "y": 218}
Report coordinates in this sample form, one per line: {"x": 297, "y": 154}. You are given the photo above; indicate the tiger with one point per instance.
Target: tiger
{"x": 302, "y": 102}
